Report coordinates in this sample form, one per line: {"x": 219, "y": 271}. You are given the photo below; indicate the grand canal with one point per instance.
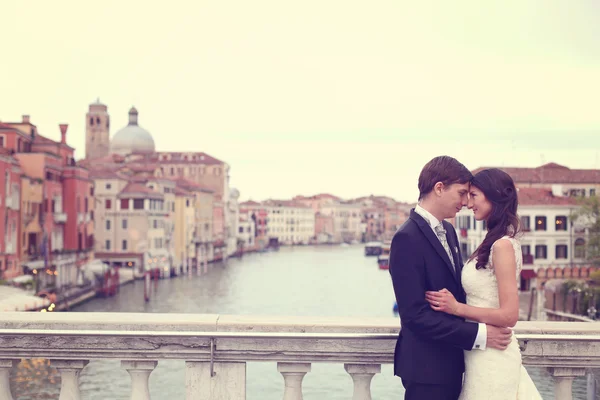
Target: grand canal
{"x": 310, "y": 281}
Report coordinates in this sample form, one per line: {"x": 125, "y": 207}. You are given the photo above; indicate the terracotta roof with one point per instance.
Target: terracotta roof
{"x": 141, "y": 167}
{"x": 185, "y": 158}
{"x": 179, "y": 191}
{"x": 188, "y": 184}
{"x": 539, "y": 197}
{"x": 249, "y": 203}
{"x": 138, "y": 188}
{"x": 317, "y": 197}
{"x": 549, "y": 173}
{"x": 43, "y": 139}
{"x": 105, "y": 174}
{"x": 284, "y": 203}
{"x": 6, "y": 126}
{"x": 108, "y": 159}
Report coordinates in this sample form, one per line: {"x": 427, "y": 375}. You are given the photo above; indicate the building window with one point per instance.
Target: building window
{"x": 85, "y": 204}
{"x": 561, "y": 223}
{"x": 580, "y": 248}
{"x": 108, "y": 224}
{"x": 124, "y": 246}
{"x": 540, "y": 223}
{"x": 526, "y": 223}
{"x": 526, "y": 249}
{"x": 241, "y": 229}
{"x": 1, "y": 141}
{"x": 592, "y": 192}
{"x": 138, "y": 204}
{"x": 541, "y": 251}
{"x": 561, "y": 251}
{"x": 155, "y": 224}
{"x": 124, "y": 224}
{"x": 108, "y": 186}
{"x": 124, "y": 204}
{"x": 108, "y": 204}
{"x": 107, "y": 245}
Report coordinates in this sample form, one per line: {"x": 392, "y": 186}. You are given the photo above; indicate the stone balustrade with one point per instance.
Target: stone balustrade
{"x": 216, "y": 348}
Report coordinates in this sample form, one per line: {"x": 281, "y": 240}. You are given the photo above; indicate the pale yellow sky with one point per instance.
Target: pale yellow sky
{"x": 347, "y": 97}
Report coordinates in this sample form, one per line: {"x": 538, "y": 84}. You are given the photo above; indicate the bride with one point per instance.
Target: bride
{"x": 489, "y": 279}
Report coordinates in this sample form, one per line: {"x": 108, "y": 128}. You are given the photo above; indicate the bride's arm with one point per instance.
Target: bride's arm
{"x": 503, "y": 259}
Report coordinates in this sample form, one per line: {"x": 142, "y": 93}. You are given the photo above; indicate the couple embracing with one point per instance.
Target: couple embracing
{"x": 455, "y": 340}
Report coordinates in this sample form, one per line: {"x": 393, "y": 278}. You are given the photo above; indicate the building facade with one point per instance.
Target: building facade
{"x": 56, "y": 230}
{"x": 550, "y": 238}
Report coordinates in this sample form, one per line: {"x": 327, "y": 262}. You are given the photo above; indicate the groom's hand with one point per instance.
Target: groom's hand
{"x": 498, "y": 338}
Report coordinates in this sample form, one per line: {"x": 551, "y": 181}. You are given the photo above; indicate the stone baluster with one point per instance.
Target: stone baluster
{"x": 5, "y": 367}
{"x": 293, "y": 373}
{"x": 140, "y": 373}
{"x": 563, "y": 381}
{"x": 591, "y": 385}
{"x": 362, "y": 374}
{"x": 228, "y": 380}
{"x": 69, "y": 377}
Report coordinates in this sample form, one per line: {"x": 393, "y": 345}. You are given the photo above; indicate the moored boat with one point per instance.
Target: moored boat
{"x": 373, "y": 248}
{"x": 383, "y": 260}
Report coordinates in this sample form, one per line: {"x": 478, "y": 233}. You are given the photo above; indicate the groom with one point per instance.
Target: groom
{"x": 425, "y": 256}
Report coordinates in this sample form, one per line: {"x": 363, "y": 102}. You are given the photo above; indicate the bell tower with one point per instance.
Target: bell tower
{"x": 97, "y": 125}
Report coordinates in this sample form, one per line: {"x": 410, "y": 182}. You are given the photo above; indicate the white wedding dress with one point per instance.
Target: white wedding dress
{"x": 493, "y": 374}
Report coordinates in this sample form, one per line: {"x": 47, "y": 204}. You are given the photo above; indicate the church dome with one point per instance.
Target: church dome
{"x": 132, "y": 139}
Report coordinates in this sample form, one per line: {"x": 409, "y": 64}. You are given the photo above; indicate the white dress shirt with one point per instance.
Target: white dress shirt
{"x": 481, "y": 339}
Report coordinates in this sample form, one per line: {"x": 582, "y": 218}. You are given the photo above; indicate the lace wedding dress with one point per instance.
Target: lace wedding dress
{"x": 493, "y": 374}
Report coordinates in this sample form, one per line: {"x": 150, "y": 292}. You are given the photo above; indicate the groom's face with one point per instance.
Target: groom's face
{"x": 454, "y": 198}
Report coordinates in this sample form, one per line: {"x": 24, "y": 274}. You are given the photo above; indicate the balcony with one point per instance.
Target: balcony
{"x": 217, "y": 348}
{"x": 60, "y": 217}
{"x": 13, "y": 202}
{"x": 28, "y": 218}
{"x": 9, "y": 248}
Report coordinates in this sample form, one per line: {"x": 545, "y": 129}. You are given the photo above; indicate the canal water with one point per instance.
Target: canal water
{"x": 306, "y": 281}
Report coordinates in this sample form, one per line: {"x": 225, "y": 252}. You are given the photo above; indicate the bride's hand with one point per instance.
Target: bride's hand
{"x": 443, "y": 301}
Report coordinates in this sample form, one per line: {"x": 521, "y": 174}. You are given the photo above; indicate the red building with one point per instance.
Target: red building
{"x": 258, "y": 214}
{"x": 10, "y": 218}
{"x": 57, "y": 236}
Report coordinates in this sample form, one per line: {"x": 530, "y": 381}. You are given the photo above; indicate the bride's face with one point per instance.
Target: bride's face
{"x": 481, "y": 207}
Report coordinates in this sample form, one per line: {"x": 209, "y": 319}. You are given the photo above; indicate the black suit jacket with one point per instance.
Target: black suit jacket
{"x": 430, "y": 345}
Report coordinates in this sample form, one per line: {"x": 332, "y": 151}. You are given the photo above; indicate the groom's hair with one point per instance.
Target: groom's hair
{"x": 443, "y": 169}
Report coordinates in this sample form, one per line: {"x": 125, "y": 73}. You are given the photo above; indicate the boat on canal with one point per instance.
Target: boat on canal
{"x": 373, "y": 248}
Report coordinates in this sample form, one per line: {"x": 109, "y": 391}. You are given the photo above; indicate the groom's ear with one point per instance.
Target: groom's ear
{"x": 438, "y": 188}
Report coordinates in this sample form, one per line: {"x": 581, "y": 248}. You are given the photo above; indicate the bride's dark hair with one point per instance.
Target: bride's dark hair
{"x": 499, "y": 188}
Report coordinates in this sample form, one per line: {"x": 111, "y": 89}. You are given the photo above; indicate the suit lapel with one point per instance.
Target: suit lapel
{"x": 433, "y": 240}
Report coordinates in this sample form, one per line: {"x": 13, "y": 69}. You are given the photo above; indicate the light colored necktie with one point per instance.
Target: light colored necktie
{"x": 441, "y": 234}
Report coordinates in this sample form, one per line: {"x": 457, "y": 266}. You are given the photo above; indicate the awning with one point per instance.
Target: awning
{"x": 35, "y": 264}
{"x": 22, "y": 279}
{"x": 528, "y": 274}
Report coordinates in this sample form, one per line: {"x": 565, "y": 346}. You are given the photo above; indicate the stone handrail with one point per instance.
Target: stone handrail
{"x": 552, "y": 315}
{"x": 216, "y": 348}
